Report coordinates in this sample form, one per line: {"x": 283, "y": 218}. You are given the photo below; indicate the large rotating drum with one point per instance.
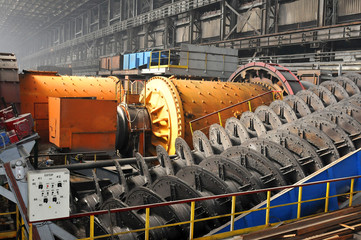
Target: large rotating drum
{"x": 37, "y": 86}
{"x": 172, "y": 103}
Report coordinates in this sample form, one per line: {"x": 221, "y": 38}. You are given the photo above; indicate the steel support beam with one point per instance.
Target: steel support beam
{"x": 223, "y": 20}
{"x": 296, "y": 37}
{"x": 169, "y": 33}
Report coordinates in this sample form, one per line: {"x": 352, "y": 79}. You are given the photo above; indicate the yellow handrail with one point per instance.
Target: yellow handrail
{"x": 7, "y": 213}
{"x": 160, "y": 53}
{"x": 192, "y": 220}
{"x": 233, "y": 214}
{"x": 168, "y": 58}
{"x": 233, "y": 211}
{"x": 268, "y": 208}
{"x": 220, "y": 119}
{"x": 351, "y": 191}
{"x": 91, "y": 237}
{"x": 299, "y": 202}
{"x": 327, "y": 196}
{"x": 250, "y": 106}
{"x": 167, "y": 64}
{"x": 191, "y": 229}
{"x": 147, "y": 214}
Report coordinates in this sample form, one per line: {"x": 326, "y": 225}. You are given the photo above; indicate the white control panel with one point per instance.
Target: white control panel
{"x": 49, "y": 192}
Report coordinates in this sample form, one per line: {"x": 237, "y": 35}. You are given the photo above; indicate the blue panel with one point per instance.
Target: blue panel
{"x": 146, "y": 58}
{"x": 140, "y": 57}
{"x": 133, "y": 61}
{"x": 126, "y": 61}
{"x": 349, "y": 166}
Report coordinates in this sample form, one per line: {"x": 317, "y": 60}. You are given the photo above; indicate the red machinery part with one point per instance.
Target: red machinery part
{"x": 270, "y": 73}
{"x": 7, "y": 113}
{"x": 22, "y": 125}
{"x": 12, "y": 136}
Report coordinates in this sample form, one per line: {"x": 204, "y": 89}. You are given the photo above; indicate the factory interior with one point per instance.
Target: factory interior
{"x": 180, "y": 119}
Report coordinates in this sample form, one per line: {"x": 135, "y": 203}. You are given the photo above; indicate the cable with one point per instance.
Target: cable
{"x": 135, "y": 117}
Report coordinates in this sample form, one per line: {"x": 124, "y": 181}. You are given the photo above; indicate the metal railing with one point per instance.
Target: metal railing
{"x": 305, "y": 57}
{"x": 232, "y": 215}
{"x": 18, "y": 224}
{"x": 167, "y": 59}
{"x": 342, "y": 31}
{"x": 233, "y": 107}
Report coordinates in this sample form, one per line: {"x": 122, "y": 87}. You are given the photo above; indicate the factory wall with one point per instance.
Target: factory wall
{"x": 348, "y": 10}
{"x": 176, "y": 22}
{"x": 348, "y": 7}
{"x": 298, "y": 12}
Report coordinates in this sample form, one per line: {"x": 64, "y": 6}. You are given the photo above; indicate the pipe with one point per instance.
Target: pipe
{"x": 103, "y": 163}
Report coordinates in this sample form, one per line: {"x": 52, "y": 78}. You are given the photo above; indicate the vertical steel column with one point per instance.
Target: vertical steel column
{"x": 276, "y": 16}
{"x": 169, "y": 33}
{"x": 191, "y": 22}
{"x": 223, "y": 20}
{"x": 151, "y": 5}
{"x": 120, "y": 10}
{"x": 266, "y": 16}
{"x": 109, "y": 10}
{"x": 98, "y": 6}
{"x": 334, "y": 12}
{"x": 321, "y": 13}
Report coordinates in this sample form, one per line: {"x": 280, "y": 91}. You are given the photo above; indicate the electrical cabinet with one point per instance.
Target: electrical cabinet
{"x": 48, "y": 194}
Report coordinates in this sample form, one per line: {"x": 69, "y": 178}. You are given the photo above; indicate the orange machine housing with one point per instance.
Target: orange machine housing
{"x": 37, "y": 86}
{"x": 82, "y": 124}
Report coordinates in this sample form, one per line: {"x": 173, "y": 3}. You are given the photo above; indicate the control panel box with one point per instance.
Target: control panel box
{"x": 48, "y": 192}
